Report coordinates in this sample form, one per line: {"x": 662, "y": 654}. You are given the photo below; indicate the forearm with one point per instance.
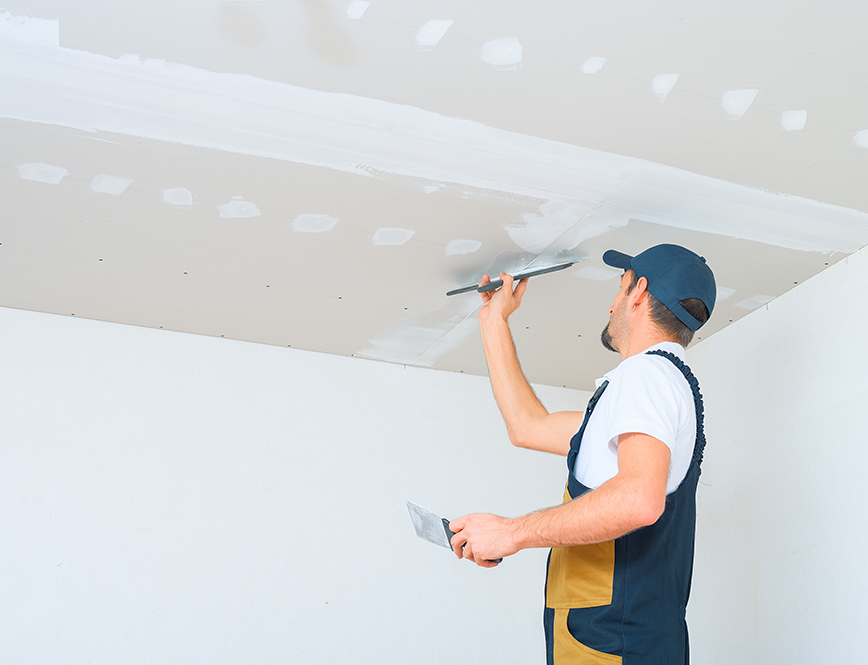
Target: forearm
{"x": 519, "y": 405}
{"x": 610, "y": 511}
{"x": 528, "y": 422}
{"x": 598, "y": 516}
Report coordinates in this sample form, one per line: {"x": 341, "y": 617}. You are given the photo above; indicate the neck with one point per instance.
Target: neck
{"x": 644, "y": 335}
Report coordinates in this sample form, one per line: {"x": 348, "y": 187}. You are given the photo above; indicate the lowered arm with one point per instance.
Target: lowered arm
{"x": 634, "y": 498}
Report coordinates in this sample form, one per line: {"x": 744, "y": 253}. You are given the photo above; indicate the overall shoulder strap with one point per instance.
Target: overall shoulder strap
{"x": 699, "y": 447}
{"x": 576, "y": 441}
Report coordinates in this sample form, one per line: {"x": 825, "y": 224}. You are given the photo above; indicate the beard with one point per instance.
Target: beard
{"x": 606, "y": 339}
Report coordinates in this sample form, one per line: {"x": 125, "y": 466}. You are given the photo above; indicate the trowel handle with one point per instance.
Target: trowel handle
{"x": 491, "y": 286}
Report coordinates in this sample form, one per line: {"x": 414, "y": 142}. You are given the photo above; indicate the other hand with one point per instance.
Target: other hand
{"x": 482, "y": 538}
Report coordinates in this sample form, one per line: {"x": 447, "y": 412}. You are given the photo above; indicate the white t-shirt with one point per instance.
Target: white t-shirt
{"x": 646, "y": 394}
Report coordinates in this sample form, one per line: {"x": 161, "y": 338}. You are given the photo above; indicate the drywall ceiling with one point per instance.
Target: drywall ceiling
{"x": 319, "y": 174}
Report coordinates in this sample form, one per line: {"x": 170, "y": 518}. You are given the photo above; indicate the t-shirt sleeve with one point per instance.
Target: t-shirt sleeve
{"x": 645, "y": 401}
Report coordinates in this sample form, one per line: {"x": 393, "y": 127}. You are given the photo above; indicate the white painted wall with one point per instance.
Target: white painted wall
{"x": 782, "y": 540}
{"x": 168, "y": 498}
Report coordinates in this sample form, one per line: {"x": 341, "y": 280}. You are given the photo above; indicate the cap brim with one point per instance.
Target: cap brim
{"x": 617, "y": 259}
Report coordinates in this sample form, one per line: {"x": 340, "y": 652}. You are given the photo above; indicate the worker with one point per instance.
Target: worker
{"x": 620, "y": 566}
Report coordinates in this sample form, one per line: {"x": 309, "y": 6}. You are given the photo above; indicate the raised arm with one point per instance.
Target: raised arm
{"x": 528, "y": 422}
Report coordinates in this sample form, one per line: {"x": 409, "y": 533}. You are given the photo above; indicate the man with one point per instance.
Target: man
{"x": 622, "y": 542}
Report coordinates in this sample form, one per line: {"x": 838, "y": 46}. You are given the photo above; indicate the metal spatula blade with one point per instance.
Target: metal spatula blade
{"x": 429, "y": 526}
{"x": 497, "y": 283}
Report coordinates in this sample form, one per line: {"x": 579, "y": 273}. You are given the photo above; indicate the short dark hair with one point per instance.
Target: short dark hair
{"x": 666, "y": 320}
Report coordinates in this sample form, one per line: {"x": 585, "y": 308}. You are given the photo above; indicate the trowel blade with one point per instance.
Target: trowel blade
{"x": 429, "y": 526}
{"x": 497, "y": 283}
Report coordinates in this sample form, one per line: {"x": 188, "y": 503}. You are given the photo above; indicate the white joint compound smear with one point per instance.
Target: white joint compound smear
{"x": 754, "y": 302}
{"x": 502, "y": 53}
{"x": 723, "y": 292}
{"x": 584, "y": 192}
{"x": 238, "y": 207}
{"x": 593, "y": 65}
{"x": 793, "y": 121}
{"x": 178, "y": 197}
{"x": 861, "y": 138}
{"x": 564, "y": 225}
{"x": 314, "y": 223}
{"x": 109, "y": 184}
{"x": 388, "y": 236}
{"x": 357, "y": 9}
{"x": 32, "y": 30}
{"x": 737, "y": 102}
{"x": 662, "y": 85}
{"x": 432, "y": 32}
{"x": 46, "y": 173}
{"x": 597, "y": 274}
{"x": 462, "y": 247}
{"x": 427, "y": 337}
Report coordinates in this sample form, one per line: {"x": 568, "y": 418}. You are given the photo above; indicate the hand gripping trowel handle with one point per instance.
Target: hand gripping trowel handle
{"x": 450, "y": 533}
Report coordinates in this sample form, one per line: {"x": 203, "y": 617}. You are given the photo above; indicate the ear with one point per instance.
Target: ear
{"x": 640, "y": 292}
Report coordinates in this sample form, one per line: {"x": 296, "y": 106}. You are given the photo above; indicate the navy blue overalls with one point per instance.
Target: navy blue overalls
{"x": 624, "y": 601}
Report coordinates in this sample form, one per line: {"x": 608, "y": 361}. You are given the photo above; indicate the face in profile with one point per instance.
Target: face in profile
{"x": 618, "y": 327}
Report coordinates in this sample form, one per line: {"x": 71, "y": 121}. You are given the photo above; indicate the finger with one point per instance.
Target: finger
{"x": 458, "y": 543}
{"x": 485, "y": 295}
{"x": 482, "y": 563}
{"x": 520, "y": 288}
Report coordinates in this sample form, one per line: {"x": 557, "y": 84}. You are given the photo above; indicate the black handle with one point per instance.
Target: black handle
{"x": 449, "y": 535}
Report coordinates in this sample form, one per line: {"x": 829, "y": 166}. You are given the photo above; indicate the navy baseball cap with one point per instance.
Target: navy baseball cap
{"x": 673, "y": 273}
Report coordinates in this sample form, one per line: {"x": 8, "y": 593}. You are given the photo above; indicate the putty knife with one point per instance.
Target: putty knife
{"x": 496, "y": 284}
{"x": 431, "y": 527}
